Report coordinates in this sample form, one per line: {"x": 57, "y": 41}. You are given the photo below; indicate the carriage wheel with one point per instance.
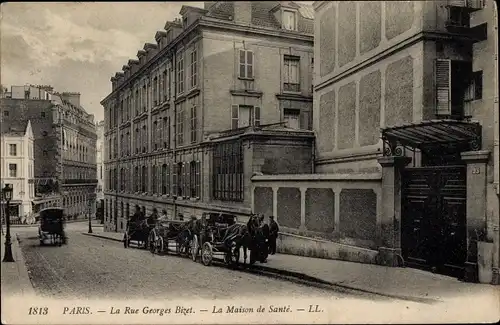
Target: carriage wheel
{"x": 233, "y": 255}
{"x": 194, "y": 248}
{"x": 207, "y": 254}
{"x": 159, "y": 244}
{"x": 151, "y": 243}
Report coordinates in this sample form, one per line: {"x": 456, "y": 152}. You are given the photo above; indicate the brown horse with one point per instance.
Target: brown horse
{"x": 247, "y": 237}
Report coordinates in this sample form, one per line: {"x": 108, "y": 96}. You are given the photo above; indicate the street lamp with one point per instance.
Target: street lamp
{"x": 7, "y": 194}
{"x": 90, "y": 219}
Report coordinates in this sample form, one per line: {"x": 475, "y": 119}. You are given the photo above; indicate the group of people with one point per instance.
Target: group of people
{"x": 270, "y": 229}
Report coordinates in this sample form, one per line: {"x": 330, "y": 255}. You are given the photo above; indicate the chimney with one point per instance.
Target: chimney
{"x": 242, "y": 12}
{"x": 73, "y": 98}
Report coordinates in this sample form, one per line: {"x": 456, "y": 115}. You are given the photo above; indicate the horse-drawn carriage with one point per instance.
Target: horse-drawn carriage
{"x": 137, "y": 231}
{"x": 52, "y": 226}
{"x": 168, "y": 236}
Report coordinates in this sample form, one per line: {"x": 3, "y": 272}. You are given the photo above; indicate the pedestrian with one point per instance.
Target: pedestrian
{"x": 273, "y": 235}
{"x": 153, "y": 218}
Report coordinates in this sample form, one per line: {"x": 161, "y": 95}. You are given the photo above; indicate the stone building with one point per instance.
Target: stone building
{"x": 64, "y": 146}
{"x": 17, "y": 167}
{"x": 223, "y": 92}
{"x": 406, "y": 123}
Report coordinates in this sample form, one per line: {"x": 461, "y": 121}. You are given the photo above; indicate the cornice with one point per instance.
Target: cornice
{"x": 297, "y": 97}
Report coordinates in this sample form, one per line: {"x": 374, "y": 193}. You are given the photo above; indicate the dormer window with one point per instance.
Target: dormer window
{"x": 289, "y": 20}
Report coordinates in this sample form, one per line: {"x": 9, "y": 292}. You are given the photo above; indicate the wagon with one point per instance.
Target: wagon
{"x": 169, "y": 236}
{"x": 52, "y": 226}
{"x": 216, "y": 240}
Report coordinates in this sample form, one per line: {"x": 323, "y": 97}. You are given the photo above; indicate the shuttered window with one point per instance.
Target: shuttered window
{"x": 443, "y": 86}
{"x": 246, "y": 64}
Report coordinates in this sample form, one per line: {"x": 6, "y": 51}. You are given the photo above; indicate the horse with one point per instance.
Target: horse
{"x": 247, "y": 237}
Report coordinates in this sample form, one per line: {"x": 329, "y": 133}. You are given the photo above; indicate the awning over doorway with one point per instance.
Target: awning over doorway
{"x": 433, "y": 134}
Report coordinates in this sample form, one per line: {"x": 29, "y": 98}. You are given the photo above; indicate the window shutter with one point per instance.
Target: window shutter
{"x": 443, "y": 86}
{"x": 187, "y": 180}
{"x": 234, "y": 116}
{"x": 256, "y": 115}
{"x": 242, "y": 64}
{"x": 249, "y": 64}
{"x": 198, "y": 179}
{"x": 167, "y": 179}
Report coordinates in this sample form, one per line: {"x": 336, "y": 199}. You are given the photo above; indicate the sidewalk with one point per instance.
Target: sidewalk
{"x": 15, "y": 278}
{"x": 400, "y": 283}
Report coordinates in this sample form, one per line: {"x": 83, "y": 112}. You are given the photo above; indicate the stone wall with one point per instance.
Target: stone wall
{"x": 341, "y": 208}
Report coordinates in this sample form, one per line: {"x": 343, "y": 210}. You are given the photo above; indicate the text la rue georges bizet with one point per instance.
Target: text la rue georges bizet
{"x": 183, "y": 310}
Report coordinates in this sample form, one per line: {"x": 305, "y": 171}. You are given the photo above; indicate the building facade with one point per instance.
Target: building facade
{"x": 406, "y": 121}
{"x": 217, "y": 75}
{"x": 17, "y": 168}
{"x": 64, "y": 147}
{"x": 100, "y": 170}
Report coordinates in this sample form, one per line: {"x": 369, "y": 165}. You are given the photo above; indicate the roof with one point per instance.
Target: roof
{"x": 262, "y": 14}
{"x": 433, "y": 133}
{"x": 14, "y": 127}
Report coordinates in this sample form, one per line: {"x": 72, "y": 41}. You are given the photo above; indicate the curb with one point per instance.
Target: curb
{"x": 102, "y": 236}
{"x": 309, "y": 278}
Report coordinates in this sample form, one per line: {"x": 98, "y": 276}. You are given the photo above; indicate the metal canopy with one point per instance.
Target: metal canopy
{"x": 433, "y": 135}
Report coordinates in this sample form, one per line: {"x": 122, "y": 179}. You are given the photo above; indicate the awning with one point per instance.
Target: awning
{"x": 433, "y": 134}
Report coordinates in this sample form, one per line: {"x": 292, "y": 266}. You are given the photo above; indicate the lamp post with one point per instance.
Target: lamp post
{"x": 7, "y": 194}
{"x": 90, "y": 218}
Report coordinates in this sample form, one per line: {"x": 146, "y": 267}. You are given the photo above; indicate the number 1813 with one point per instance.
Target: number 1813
{"x": 38, "y": 311}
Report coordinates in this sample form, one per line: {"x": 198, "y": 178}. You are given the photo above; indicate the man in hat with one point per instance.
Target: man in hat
{"x": 273, "y": 235}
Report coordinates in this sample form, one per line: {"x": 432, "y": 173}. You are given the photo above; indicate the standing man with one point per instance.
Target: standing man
{"x": 273, "y": 235}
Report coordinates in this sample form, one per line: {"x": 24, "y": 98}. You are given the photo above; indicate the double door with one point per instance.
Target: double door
{"x": 433, "y": 229}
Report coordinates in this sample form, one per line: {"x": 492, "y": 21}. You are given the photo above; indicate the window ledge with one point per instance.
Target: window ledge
{"x": 247, "y": 79}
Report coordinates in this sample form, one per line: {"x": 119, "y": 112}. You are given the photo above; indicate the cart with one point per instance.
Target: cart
{"x": 51, "y": 226}
{"x": 138, "y": 232}
{"x": 170, "y": 236}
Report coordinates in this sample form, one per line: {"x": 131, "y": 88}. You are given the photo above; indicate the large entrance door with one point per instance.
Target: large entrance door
{"x": 434, "y": 218}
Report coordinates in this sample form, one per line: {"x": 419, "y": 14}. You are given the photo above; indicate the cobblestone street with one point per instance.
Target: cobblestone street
{"x": 90, "y": 267}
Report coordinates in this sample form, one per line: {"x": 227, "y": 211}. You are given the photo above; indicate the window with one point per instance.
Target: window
{"x": 155, "y": 135}
{"x": 144, "y": 181}
{"x": 243, "y": 116}
{"x": 180, "y": 123}
{"x": 195, "y": 180}
{"x": 127, "y": 145}
{"x": 12, "y": 170}
{"x": 291, "y": 75}
{"x": 166, "y": 84}
{"x": 178, "y": 179}
{"x": 180, "y": 73}
{"x": 289, "y": 20}
{"x": 166, "y": 133}
{"x": 193, "y": 68}
{"x": 193, "y": 123}
{"x": 292, "y": 118}
{"x": 452, "y": 80}
{"x": 144, "y": 138}
{"x": 122, "y": 179}
{"x": 122, "y": 145}
{"x": 228, "y": 171}
{"x": 475, "y": 89}
{"x": 458, "y": 17}
{"x": 13, "y": 149}
{"x": 165, "y": 180}
{"x": 154, "y": 179}
{"x": 137, "y": 179}
{"x": 246, "y": 64}
{"x": 144, "y": 98}
{"x": 6, "y": 113}
{"x": 136, "y": 102}
{"x": 155, "y": 91}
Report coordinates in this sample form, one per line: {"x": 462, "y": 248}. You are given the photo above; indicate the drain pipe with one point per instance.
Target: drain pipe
{"x": 496, "y": 137}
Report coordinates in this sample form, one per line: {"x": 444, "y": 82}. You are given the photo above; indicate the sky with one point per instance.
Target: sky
{"x": 77, "y": 46}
